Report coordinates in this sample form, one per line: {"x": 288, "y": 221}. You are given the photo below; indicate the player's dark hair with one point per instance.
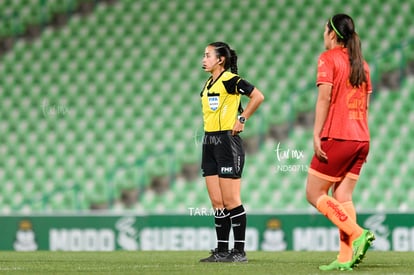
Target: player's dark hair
{"x": 230, "y": 56}
{"x": 344, "y": 27}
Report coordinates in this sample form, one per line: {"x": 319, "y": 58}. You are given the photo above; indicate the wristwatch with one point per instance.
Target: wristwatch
{"x": 242, "y": 119}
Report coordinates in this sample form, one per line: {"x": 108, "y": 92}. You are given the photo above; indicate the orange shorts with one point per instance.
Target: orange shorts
{"x": 345, "y": 159}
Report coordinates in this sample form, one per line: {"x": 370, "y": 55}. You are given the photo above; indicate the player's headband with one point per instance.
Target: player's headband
{"x": 336, "y": 31}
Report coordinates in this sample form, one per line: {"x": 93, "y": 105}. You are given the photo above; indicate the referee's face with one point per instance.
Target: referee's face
{"x": 210, "y": 60}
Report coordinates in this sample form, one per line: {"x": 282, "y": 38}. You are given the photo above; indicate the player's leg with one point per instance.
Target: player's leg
{"x": 342, "y": 192}
{"x": 316, "y": 187}
{"x": 341, "y": 156}
{"x": 321, "y": 177}
{"x": 317, "y": 194}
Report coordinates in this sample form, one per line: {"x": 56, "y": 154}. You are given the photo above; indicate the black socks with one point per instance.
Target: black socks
{"x": 222, "y": 223}
{"x": 225, "y": 219}
{"x": 238, "y": 222}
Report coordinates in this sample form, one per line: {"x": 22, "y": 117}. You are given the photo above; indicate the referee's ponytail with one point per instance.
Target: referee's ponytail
{"x": 230, "y": 60}
{"x": 230, "y": 56}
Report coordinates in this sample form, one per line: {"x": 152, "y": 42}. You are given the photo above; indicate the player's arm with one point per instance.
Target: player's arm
{"x": 321, "y": 112}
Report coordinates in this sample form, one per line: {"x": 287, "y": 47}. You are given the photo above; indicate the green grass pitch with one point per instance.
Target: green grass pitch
{"x": 186, "y": 262}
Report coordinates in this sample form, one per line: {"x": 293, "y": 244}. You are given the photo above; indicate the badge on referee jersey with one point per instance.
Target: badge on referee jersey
{"x": 213, "y": 101}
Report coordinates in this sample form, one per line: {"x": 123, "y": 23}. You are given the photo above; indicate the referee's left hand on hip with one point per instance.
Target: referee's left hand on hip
{"x": 237, "y": 128}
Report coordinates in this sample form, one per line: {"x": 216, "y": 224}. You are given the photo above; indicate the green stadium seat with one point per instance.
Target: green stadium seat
{"x": 116, "y": 72}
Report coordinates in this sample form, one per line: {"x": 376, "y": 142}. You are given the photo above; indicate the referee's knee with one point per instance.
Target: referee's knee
{"x": 217, "y": 204}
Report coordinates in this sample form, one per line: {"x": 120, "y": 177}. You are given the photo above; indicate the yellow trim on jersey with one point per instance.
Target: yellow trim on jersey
{"x": 219, "y": 107}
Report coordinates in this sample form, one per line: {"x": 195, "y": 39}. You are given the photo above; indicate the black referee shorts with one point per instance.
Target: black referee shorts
{"x": 223, "y": 155}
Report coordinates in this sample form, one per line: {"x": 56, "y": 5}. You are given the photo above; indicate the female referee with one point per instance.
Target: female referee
{"x": 341, "y": 137}
{"x": 223, "y": 154}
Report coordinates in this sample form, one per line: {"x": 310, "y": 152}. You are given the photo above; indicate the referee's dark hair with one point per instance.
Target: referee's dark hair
{"x": 230, "y": 57}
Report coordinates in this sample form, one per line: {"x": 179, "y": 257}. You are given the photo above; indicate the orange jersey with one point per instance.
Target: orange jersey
{"x": 347, "y": 116}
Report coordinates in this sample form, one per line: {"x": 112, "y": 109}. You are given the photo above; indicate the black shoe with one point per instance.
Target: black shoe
{"x": 235, "y": 256}
{"x": 215, "y": 256}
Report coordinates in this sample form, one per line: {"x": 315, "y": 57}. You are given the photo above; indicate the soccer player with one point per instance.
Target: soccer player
{"x": 341, "y": 137}
{"x": 223, "y": 155}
